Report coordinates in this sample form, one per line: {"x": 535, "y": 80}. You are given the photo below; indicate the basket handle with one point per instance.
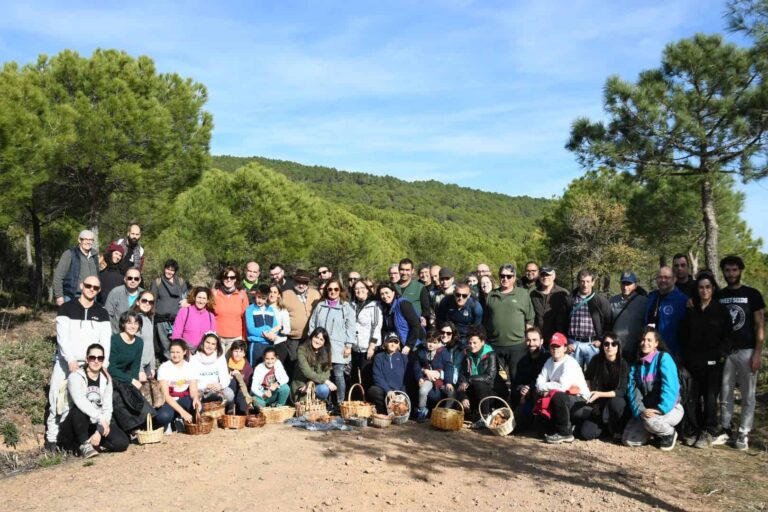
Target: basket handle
{"x": 479, "y": 405}
{"x": 310, "y": 396}
{"x": 396, "y": 392}
{"x": 353, "y": 386}
{"x": 149, "y": 422}
{"x": 450, "y": 398}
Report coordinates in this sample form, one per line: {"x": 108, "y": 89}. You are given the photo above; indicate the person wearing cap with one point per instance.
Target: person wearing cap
{"x": 445, "y": 288}
{"x": 550, "y": 304}
{"x": 509, "y": 314}
{"x": 524, "y": 395}
{"x": 299, "y": 301}
{"x": 110, "y": 275}
{"x": 628, "y": 310}
{"x": 74, "y": 266}
{"x": 562, "y": 381}
{"x": 259, "y": 319}
{"x": 389, "y": 367}
{"x": 589, "y": 317}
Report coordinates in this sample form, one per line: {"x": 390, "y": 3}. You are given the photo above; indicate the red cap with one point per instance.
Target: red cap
{"x": 558, "y": 339}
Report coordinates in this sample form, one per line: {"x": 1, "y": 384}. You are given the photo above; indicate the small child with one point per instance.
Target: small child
{"x": 259, "y": 319}
{"x": 270, "y": 382}
{"x": 434, "y": 373}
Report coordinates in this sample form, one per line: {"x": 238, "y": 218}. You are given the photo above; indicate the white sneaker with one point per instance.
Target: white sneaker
{"x": 168, "y": 430}
{"x": 721, "y": 438}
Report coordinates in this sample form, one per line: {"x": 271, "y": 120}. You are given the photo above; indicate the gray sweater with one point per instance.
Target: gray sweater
{"x": 89, "y": 266}
{"x": 117, "y": 304}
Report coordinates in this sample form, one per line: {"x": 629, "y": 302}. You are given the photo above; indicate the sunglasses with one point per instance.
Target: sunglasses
{"x": 229, "y": 277}
{"x": 461, "y": 295}
{"x": 96, "y": 358}
{"x": 607, "y": 344}
{"x": 147, "y": 301}
{"x": 133, "y": 279}
{"x": 506, "y": 276}
{"x": 89, "y": 286}
{"x": 333, "y": 289}
{"x": 446, "y": 333}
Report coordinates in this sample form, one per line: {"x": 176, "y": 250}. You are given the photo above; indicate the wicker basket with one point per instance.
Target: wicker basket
{"x": 201, "y": 425}
{"x": 505, "y": 412}
{"x": 310, "y": 405}
{"x": 149, "y": 436}
{"x": 214, "y": 410}
{"x": 381, "y": 420}
{"x": 356, "y": 408}
{"x": 447, "y": 419}
{"x": 399, "y": 397}
{"x": 232, "y": 421}
{"x": 255, "y": 420}
{"x": 278, "y": 414}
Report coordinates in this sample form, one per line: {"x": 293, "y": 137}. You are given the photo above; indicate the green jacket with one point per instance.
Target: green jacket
{"x": 507, "y": 315}
{"x": 305, "y": 372}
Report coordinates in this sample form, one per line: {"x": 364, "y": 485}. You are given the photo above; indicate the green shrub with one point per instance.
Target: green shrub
{"x": 25, "y": 367}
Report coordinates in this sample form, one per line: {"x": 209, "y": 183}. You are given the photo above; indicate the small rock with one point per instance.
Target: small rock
{"x": 382, "y": 458}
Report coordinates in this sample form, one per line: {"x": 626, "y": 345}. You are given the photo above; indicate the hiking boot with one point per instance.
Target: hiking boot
{"x": 558, "y": 438}
{"x": 87, "y": 451}
{"x": 741, "y": 442}
{"x": 422, "y": 415}
{"x": 704, "y": 440}
{"x": 666, "y": 443}
{"x": 51, "y": 446}
{"x": 721, "y": 437}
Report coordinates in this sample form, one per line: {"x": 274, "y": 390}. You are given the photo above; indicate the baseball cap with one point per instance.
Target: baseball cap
{"x": 628, "y": 277}
{"x": 558, "y": 340}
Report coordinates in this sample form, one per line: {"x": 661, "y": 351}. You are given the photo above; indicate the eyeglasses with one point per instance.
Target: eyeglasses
{"x": 506, "y": 276}
{"x": 128, "y": 278}
{"x": 89, "y": 286}
{"x": 607, "y": 344}
{"x": 333, "y": 289}
{"x": 96, "y": 358}
{"x": 147, "y": 301}
{"x": 461, "y": 295}
{"x": 86, "y": 239}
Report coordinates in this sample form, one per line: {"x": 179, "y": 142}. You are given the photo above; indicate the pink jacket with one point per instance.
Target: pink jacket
{"x": 191, "y": 323}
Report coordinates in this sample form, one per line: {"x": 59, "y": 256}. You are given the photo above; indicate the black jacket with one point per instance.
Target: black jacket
{"x": 487, "y": 368}
{"x": 551, "y": 311}
{"x": 599, "y": 310}
{"x": 705, "y": 335}
{"x": 528, "y": 369}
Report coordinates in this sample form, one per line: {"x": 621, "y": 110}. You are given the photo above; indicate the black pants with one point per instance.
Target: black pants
{"x": 77, "y": 428}
{"x": 475, "y": 394}
{"x": 618, "y": 415}
{"x": 562, "y": 406}
{"x": 292, "y": 356}
{"x": 702, "y": 407}
{"x": 378, "y": 396}
{"x": 364, "y": 368}
{"x": 508, "y": 358}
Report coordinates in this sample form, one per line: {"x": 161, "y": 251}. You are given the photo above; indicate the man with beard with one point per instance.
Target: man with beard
{"x": 531, "y": 276}
{"x": 747, "y": 310}
{"x": 134, "y": 252}
{"x": 683, "y": 280}
{"x": 277, "y": 275}
{"x": 413, "y": 291}
{"x": 529, "y": 367}
{"x": 589, "y": 317}
{"x": 550, "y": 304}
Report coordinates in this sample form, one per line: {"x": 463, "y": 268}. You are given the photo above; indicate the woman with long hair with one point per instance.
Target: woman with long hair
{"x": 337, "y": 317}
{"x": 368, "y": 320}
{"x": 196, "y": 319}
{"x": 653, "y": 393}
{"x": 145, "y": 307}
{"x": 279, "y": 334}
{"x": 230, "y": 305}
{"x": 314, "y": 365}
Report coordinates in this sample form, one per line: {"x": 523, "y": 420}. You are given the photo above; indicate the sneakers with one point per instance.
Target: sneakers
{"x": 741, "y": 442}
{"x": 666, "y": 443}
{"x": 87, "y": 451}
{"x": 422, "y": 415}
{"x": 558, "y": 438}
{"x": 723, "y": 436}
{"x": 51, "y": 446}
{"x": 689, "y": 439}
{"x": 168, "y": 430}
{"x": 704, "y": 441}
{"x": 479, "y": 424}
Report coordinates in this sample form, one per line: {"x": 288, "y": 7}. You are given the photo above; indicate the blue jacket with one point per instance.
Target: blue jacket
{"x": 258, "y": 321}
{"x": 401, "y": 318}
{"x": 442, "y": 361}
{"x": 470, "y": 314}
{"x": 653, "y": 384}
{"x": 389, "y": 371}
{"x": 671, "y": 313}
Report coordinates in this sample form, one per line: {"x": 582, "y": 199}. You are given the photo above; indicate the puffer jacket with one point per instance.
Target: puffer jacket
{"x": 484, "y": 371}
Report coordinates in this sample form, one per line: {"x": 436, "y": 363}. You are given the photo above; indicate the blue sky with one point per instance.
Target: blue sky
{"x": 481, "y": 94}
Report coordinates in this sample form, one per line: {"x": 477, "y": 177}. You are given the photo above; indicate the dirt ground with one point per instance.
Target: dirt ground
{"x": 409, "y": 467}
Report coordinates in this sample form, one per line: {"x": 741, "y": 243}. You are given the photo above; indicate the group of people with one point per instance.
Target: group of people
{"x": 631, "y": 367}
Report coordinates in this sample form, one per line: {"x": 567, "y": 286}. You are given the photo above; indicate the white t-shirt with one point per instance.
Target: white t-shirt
{"x": 178, "y": 378}
{"x": 210, "y": 370}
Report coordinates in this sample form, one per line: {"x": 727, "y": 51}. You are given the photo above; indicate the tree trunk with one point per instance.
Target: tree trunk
{"x": 711, "y": 230}
{"x": 37, "y": 281}
{"x": 94, "y": 221}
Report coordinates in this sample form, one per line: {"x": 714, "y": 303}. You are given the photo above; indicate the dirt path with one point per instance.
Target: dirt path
{"x": 412, "y": 467}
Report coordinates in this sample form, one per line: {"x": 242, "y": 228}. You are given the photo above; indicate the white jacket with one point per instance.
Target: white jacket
{"x": 261, "y": 371}
{"x": 210, "y": 370}
{"x": 368, "y": 326}
{"x": 77, "y": 386}
{"x": 560, "y": 376}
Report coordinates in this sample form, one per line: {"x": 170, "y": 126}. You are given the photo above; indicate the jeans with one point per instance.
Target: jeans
{"x": 322, "y": 391}
{"x": 738, "y": 370}
{"x": 256, "y": 352}
{"x": 640, "y": 429}
{"x": 279, "y": 397}
{"x": 583, "y": 352}
{"x": 340, "y": 380}
{"x": 77, "y": 428}
{"x": 163, "y": 337}
{"x": 166, "y": 414}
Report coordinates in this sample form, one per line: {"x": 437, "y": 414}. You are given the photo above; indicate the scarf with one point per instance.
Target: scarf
{"x": 234, "y": 365}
